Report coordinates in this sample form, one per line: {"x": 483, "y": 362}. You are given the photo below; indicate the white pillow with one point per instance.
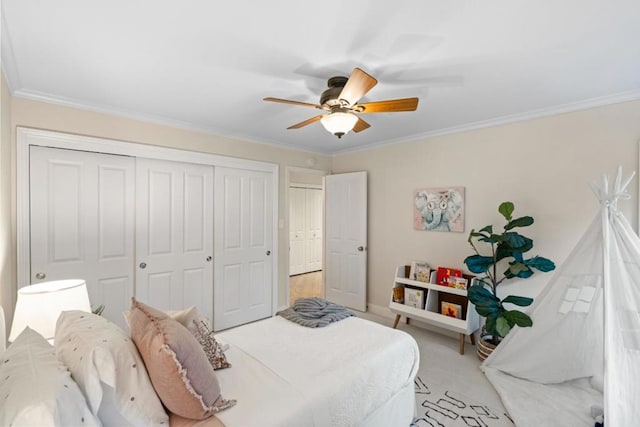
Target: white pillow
{"x": 36, "y": 389}
{"x": 109, "y": 370}
{"x": 187, "y": 316}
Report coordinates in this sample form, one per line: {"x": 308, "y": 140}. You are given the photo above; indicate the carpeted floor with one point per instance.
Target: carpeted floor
{"x": 439, "y": 405}
{"x": 451, "y": 390}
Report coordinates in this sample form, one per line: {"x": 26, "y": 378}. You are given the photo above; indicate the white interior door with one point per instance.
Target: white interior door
{"x": 346, "y": 239}
{"x": 297, "y": 235}
{"x": 82, "y": 219}
{"x": 313, "y": 228}
{"x": 174, "y": 235}
{"x": 243, "y": 245}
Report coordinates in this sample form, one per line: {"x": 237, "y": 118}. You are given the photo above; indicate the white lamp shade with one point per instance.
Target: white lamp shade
{"x": 339, "y": 123}
{"x": 39, "y": 306}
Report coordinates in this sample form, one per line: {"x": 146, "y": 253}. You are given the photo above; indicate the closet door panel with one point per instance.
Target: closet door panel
{"x": 244, "y": 266}
{"x": 313, "y": 234}
{"x": 114, "y": 216}
{"x": 174, "y": 241}
{"x": 81, "y": 220}
{"x": 297, "y": 213}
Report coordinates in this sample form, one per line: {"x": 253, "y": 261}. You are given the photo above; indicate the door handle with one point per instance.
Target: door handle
{"x": 143, "y": 265}
{"x": 40, "y": 276}
{"x": 209, "y": 258}
{"x": 360, "y": 248}
{"x": 268, "y": 253}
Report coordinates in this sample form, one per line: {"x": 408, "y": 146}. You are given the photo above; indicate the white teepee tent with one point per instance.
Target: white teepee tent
{"x": 585, "y": 339}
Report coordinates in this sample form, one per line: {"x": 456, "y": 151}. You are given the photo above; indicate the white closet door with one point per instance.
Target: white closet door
{"x": 346, "y": 245}
{"x": 82, "y": 219}
{"x": 243, "y": 245}
{"x": 174, "y": 235}
{"x": 313, "y": 235}
{"x": 297, "y": 230}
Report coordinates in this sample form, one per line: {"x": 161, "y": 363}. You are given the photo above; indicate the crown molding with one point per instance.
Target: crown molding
{"x": 159, "y": 120}
{"x": 601, "y": 101}
{"x": 499, "y": 121}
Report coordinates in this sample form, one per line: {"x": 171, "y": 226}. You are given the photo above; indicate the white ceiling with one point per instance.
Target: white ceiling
{"x": 207, "y": 65}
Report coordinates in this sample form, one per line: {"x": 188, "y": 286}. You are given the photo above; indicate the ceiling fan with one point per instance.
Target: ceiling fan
{"x": 340, "y": 102}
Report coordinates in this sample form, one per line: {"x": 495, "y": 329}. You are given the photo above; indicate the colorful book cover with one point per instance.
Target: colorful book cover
{"x": 444, "y": 273}
{"x": 451, "y": 310}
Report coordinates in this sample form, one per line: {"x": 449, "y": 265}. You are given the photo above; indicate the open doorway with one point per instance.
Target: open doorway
{"x": 306, "y": 233}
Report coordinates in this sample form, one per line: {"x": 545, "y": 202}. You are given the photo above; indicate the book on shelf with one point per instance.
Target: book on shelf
{"x": 419, "y": 271}
{"x": 450, "y": 309}
{"x": 398, "y": 294}
{"x": 458, "y": 282}
{"x": 414, "y": 297}
{"x": 444, "y": 273}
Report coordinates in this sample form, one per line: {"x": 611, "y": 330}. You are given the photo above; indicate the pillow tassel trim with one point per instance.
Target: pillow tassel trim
{"x": 208, "y": 410}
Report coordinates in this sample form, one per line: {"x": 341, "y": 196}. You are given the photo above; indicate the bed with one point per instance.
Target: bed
{"x": 351, "y": 373}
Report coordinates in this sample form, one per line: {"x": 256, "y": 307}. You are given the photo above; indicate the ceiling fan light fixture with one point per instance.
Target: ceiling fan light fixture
{"x": 339, "y": 123}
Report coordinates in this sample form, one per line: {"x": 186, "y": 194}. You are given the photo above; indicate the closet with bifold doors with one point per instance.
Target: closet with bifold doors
{"x": 305, "y": 229}
{"x": 171, "y": 233}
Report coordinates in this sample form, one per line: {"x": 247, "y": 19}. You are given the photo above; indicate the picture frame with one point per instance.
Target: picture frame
{"x": 439, "y": 209}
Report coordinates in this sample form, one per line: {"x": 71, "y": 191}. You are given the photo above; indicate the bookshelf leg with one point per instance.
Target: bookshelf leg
{"x": 473, "y": 339}
{"x": 395, "y": 322}
{"x": 462, "y": 343}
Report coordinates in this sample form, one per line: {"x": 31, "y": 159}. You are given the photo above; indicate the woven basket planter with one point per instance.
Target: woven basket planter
{"x": 484, "y": 348}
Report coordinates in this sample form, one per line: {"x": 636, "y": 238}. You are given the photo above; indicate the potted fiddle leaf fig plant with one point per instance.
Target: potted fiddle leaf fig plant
{"x": 502, "y": 250}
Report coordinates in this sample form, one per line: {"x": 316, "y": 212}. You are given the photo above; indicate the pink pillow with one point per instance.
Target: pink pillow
{"x": 179, "y": 369}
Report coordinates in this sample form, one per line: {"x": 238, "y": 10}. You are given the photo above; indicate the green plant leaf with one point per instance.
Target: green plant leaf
{"x": 502, "y": 326}
{"x": 506, "y": 209}
{"x": 474, "y": 233}
{"x": 493, "y": 238}
{"x": 519, "y": 318}
{"x": 478, "y": 263}
{"x": 517, "y": 267}
{"x": 540, "y": 263}
{"x": 518, "y": 242}
{"x": 488, "y": 309}
{"x": 504, "y": 251}
{"x": 524, "y": 221}
{"x": 487, "y": 229}
{"x": 478, "y": 295}
{"x": 521, "y": 301}
{"x": 490, "y": 325}
{"x": 522, "y": 273}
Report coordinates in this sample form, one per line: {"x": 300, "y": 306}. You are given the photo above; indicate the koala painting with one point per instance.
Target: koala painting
{"x": 439, "y": 209}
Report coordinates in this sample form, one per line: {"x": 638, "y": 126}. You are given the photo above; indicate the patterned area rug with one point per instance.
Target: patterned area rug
{"x": 437, "y": 406}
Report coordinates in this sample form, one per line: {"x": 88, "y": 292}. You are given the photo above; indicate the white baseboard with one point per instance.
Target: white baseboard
{"x": 381, "y": 311}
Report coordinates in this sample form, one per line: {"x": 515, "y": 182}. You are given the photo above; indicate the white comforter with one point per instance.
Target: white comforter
{"x": 284, "y": 374}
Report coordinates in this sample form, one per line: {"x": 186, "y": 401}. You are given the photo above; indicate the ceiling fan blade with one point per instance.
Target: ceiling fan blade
{"x": 286, "y": 101}
{"x": 361, "y": 125}
{"x": 357, "y": 86}
{"x": 389, "y": 106}
{"x": 306, "y": 122}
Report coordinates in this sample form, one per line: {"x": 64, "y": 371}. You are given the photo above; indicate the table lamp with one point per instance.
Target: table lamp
{"x": 38, "y": 306}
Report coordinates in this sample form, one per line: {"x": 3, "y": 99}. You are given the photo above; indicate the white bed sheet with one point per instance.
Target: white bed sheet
{"x": 284, "y": 374}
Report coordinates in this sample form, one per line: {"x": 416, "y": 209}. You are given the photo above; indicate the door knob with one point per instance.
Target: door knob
{"x": 268, "y": 253}
{"x": 143, "y": 265}
{"x": 360, "y": 248}
{"x": 209, "y": 258}
{"x": 40, "y": 276}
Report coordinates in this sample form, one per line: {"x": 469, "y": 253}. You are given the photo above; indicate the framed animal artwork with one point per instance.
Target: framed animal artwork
{"x": 439, "y": 209}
